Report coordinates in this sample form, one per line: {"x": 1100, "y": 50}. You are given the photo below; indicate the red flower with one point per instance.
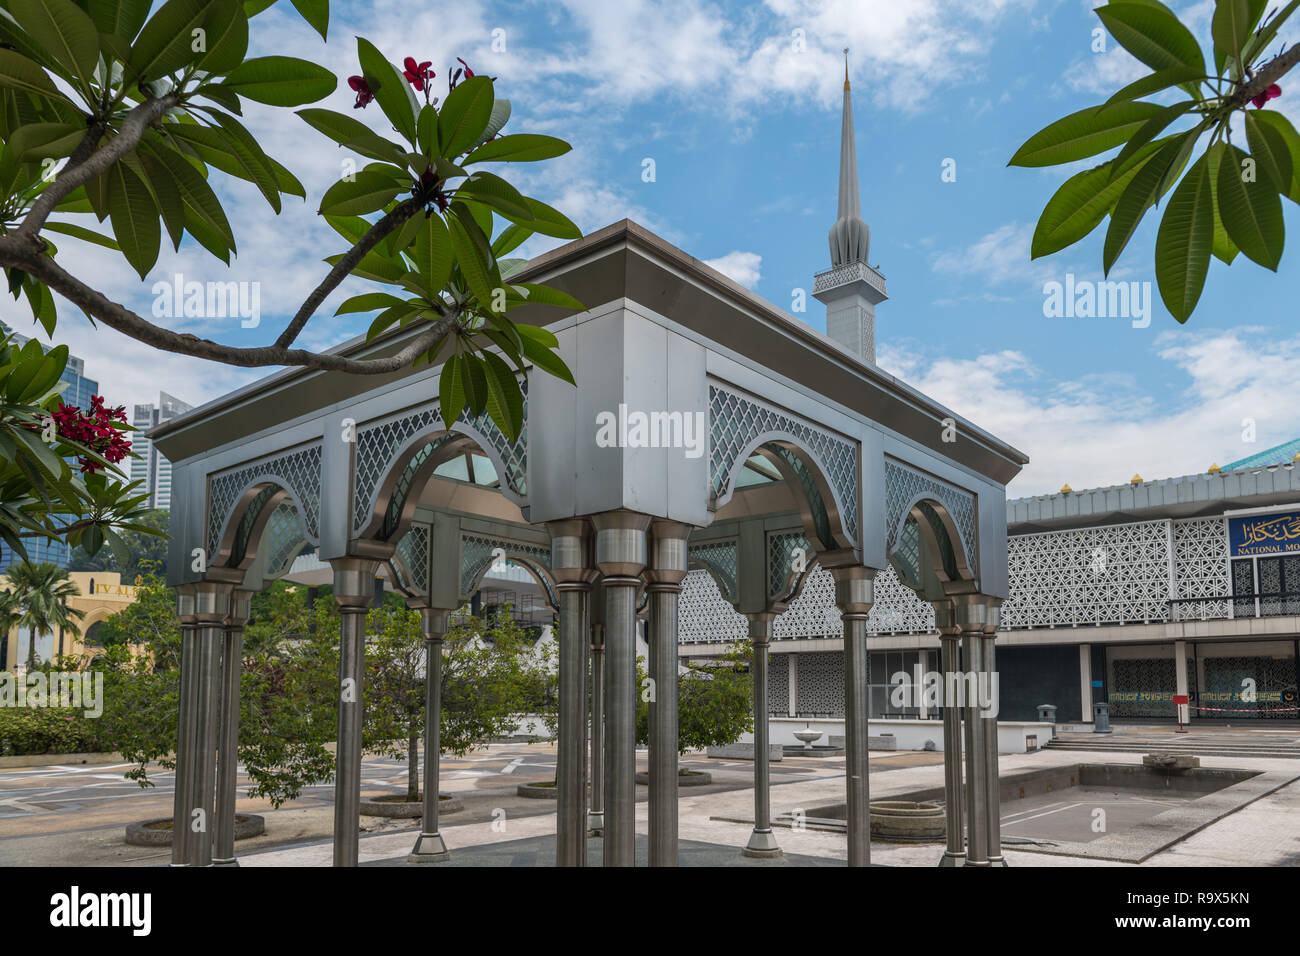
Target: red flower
{"x": 364, "y": 95}
{"x": 1272, "y": 92}
{"x": 417, "y": 74}
{"x": 468, "y": 72}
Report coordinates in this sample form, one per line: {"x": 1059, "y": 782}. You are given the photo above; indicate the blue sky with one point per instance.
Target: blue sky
{"x": 738, "y": 105}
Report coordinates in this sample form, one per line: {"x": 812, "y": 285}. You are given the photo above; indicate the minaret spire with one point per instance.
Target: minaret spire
{"x": 850, "y": 289}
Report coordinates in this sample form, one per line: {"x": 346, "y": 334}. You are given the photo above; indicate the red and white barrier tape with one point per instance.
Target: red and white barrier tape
{"x": 1244, "y": 710}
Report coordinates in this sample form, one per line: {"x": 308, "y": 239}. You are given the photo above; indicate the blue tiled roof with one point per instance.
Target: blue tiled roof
{"x": 1280, "y": 455}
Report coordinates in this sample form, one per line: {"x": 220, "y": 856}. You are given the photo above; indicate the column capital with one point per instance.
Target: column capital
{"x": 855, "y": 590}
{"x": 239, "y": 608}
{"x": 212, "y": 602}
{"x": 976, "y": 612}
{"x": 185, "y": 604}
{"x": 354, "y": 583}
{"x": 433, "y": 621}
{"x": 668, "y": 560}
{"x": 760, "y": 628}
{"x": 621, "y": 548}
{"x": 945, "y": 619}
{"x": 571, "y": 560}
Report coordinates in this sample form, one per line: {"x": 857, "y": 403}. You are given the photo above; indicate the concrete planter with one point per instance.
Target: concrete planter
{"x": 905, "y": 821}
{"x": 685, "y": 778}
{"x": 538, "y": 791}
{"x": 396, "y": 806}
{"x": 159, "y": 832}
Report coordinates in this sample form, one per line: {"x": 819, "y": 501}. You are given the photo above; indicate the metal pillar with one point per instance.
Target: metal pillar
{"x": 954, "y": 853}
{"x": 429, "y": 845}
{"x": 992, "y": 780}
{"x": 185, "y": 743}
{"x": 854, "y": 595}
{"x": 668, "y": 564}
{"x": 762, "y": 842}
{"x": 211, "y": 605}
{"x": 621, "y": 557}
{"x": 570, "y": 565}
{"x": 596, "y": 815}
{"x": 354, "y": 590}
{"x": 232, "y": 657}
{"x": 970, "y": 618}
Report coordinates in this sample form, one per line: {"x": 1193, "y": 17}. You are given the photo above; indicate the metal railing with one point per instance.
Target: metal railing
{"x": 1229, "y": 607}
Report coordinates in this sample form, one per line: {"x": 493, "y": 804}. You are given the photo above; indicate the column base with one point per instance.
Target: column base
{"x": 952, "y": 859}
{"x": 997, "y": 861}
{"x": 762, "y": 846}
{"x": 596, "y": 824}
{"x": 976, "y": 863}
{"x": 231, "y": 862}
{"x": 429, "y": 848}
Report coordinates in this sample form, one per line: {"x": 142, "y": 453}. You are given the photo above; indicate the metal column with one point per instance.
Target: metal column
{"x": 668, "y": 563}
{"x": 429, "y": 846}
{"x": 354, "y": 590}
{"x": 185, "y": 744}
{"x": 596, "y": 815}
{"x": 954, "y": 853}
{"x": 621, "y": 557}
{"x": 232, "y": 655}
{"x": 970, "y": 618}
{"x": 762, "y": 842}
{"x": 211, "y": 605}
{"x": 854, "y": 594}
{"x": 992, "y": 781}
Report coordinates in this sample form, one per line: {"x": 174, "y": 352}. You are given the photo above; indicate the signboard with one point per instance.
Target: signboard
{"x": 1264, "y": 534}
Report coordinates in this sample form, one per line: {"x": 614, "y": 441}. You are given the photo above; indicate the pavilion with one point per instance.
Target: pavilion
{"x": 814, "y": 457}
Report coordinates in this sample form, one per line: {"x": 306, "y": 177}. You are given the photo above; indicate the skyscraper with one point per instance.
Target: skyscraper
{"x": 151, "y": 466}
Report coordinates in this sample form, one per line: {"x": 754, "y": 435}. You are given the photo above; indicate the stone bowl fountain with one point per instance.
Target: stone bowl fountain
{"x": 905, "y": 821}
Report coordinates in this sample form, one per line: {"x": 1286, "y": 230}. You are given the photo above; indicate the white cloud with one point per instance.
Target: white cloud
{"x": 742, "y": 267}
{"x": 1095, "y": 431}
{"x": 998, "y": 257}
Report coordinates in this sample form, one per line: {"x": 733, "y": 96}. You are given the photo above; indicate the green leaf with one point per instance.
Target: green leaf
{"x": 390, "y": 317}
{"x": 369, "y": 302}
{"x": 1292, "y": 139}
{"x": 511, "y": 238}
{"x": 80, "y": 232}
{"x": 518, "y": 148}
{"x": 1085, "y": 133}
{"x": 1270, "y": 150}
{"x": 166, "y": 42}
{"x": 65, "y": 31}
{"x": 1224, "y": 248}
{"x": 542, "y": 356}
{"x": 1152, "y": 34}
{"x": 426, "y": 131}
{"x": 281, "y": 80}
{"x": 1231, "y": 27}
{"x": 226, "y": 37}
{"x": 134, "y": 217}
{"x": 1155, "y": 82}
{"x": 1252, "y": 211}
{"x": 20, "y": 73}
{"x": 38, "y": 141}
{"x": 505, "y": 400}
{"x": 451, "y": 390}
{"x": 353, "y": 134}
{"x": 433, "y": 253}
{"x": 551, "y": 222}
{"x": 1143, "y": 192}
{"x": 205, "y": 220}
{"x": 474, "y": 377}
{"x": 122, "y": 18}
{"x": 547, "y": 295}
{"x": 387, "y": 85}
{"x": 473, "y": 253}
{"x": 364, "y": 193}
{"x": 1148, "y": 132}
{"x": 316, "y": 13}
{"x": 497, "y": 194}
{"x": 1264, "y": 36}
{"x": 464, "y": 116}
{"x": 233, "y": 150}
{"x": 1184, "y": 242}
{"x": 375, "y": 267}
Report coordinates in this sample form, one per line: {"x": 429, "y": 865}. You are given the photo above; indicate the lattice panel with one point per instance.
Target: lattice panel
{"x": 897, "y": 609}
{"x": 719, "y": 557}
{"x": 1201, "y": 568}
{"x": 478, "y": 552}
{"x": 904, "y": 484}
{"x": 813, "y": 613}
{"x": 788, "y": 555}
{"x": 284, "y": 538}
{"x": 778, "y": 684}
{"x": 704, "y": 615}
{"x": 298, "y": 471}
{"x": 821, "y": 684}
{"x": 379, "y": 442}
{"x": 735, "y": 420}
{"x": 413, "y": 549}
{"x": 1115, "y": 574}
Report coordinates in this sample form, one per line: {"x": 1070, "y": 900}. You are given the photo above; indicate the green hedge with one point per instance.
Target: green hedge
{"x": 25, "y": 731}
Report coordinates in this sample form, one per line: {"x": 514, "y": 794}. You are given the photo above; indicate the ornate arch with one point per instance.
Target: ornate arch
{"x": 790, "y": 560}
{"x": 241, "y": 501}
{"x": 822, "y": 464}
{"x": 719, "y": 559}
{"x": 395, "y": 455}
{"x": 944, "y": 515}
{"x": 479, "y": 552}
{"x": 410, "y": 562}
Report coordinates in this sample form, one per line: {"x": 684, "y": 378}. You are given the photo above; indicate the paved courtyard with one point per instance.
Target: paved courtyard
{"x": 75, "y": 815}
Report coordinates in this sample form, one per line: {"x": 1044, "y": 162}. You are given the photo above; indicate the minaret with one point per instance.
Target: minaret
{"x": 850, "y": 289}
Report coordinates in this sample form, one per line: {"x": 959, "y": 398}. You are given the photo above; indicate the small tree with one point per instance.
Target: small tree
{"x": 40, "y": 595}
{"x": 714, "y": 701}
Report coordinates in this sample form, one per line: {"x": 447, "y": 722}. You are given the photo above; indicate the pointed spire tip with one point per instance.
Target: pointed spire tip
{"x": 846, "y": 69}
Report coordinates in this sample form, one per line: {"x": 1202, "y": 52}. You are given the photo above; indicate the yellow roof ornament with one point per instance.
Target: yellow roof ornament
{"x": 1297, "y": 456}
{"x": 1214, "y": 469}
{"x": 1135, "y": 480}
{"x": 1066, "y": 489}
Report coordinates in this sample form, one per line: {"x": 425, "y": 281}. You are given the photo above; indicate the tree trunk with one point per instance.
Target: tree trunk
{"x": 413, "y": 767}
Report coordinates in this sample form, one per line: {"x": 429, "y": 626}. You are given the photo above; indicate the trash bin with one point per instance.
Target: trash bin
{"x": 1101, "y": 718}
{"x": 1047, "y": 713}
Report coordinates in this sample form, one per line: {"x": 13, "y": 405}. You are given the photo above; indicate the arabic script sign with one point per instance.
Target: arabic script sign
{"x": 1264, "y": 534}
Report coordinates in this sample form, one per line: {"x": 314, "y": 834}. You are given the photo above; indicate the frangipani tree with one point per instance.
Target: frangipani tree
{"x": 106, "y": 110}
{"x": 1225, "y": 200}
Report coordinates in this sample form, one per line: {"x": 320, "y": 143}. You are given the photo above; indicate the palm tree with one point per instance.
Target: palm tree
{"x": 9, "y": 615}
{"x": 40, "y": 595}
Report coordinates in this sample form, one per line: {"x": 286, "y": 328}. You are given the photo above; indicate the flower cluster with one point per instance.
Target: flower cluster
{"x": 362, "y": 89}
{"x": 419, "y": 74}
{"x": 1272, "y": 92}
{"x": 94, "y": 430}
